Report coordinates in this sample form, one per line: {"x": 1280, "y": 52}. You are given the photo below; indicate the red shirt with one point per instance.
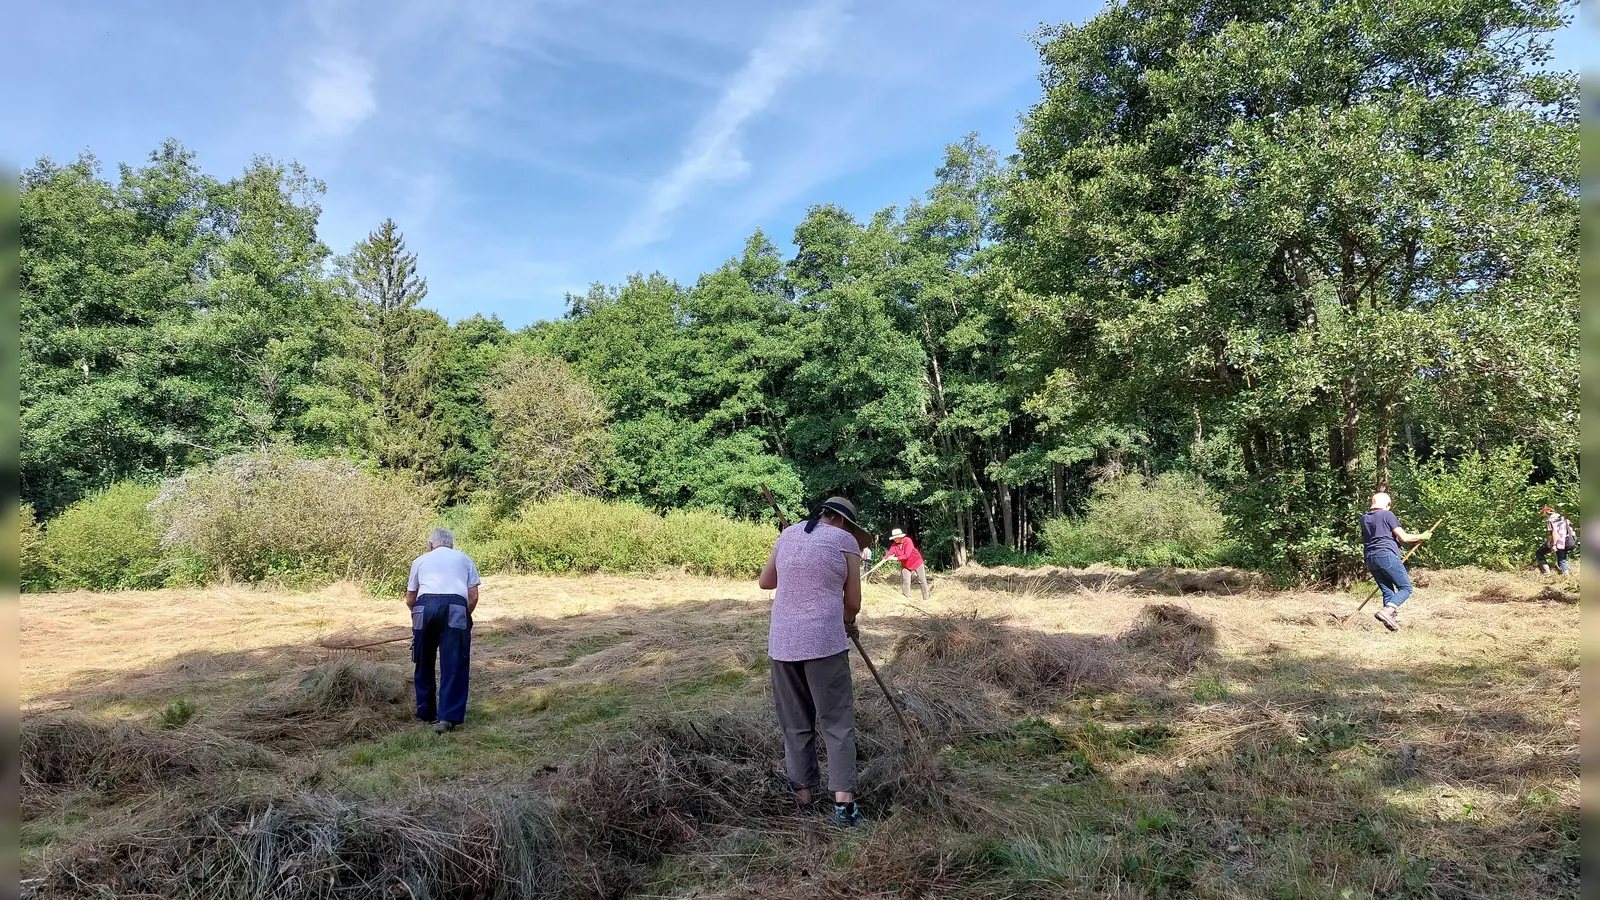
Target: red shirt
{"x": 906, "y": 552}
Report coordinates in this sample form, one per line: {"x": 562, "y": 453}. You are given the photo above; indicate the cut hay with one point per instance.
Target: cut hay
{"x": 1495, "y": 592}
{"x": 1500, "y": 592}
{"x": 1175, "y": 634}
{"x": 328, "y": 704}
{"x": 1552, "y": 595}
{"x": 315, "y": 845}
{"x": 64, "y": 753}
{"x": 976, "y": 673}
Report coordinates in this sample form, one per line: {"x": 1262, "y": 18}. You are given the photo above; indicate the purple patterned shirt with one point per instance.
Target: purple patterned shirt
{"x": 808, "y": 611}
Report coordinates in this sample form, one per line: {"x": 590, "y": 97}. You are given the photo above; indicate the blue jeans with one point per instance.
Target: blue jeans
{"x": 1390, "y": 574}
{"x": 1561, "y": 557}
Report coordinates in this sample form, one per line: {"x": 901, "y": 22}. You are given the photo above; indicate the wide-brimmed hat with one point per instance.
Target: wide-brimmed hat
{"x": 846, "y": 510}
{"x": 896, "y": 534}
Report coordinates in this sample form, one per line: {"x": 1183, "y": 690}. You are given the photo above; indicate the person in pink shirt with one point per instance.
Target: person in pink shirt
{"x": 901, "y": 548}
{"x": 815, "y": 570}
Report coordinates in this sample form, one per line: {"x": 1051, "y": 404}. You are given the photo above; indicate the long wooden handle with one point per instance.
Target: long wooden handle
{"x": 905, "y": 732}
{"x": 783, "y": 520}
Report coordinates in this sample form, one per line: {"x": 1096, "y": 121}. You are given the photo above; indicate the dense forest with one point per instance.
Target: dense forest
{"x": 1292, "y": 253}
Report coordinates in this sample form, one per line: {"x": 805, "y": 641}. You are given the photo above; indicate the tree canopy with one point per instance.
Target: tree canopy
{"x": 1281, "y": 250}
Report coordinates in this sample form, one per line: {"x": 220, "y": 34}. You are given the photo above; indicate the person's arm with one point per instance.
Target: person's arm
{"x": 473, "y": 580}
{"x": 412, "y": 585}
{"x": 1411, "y": 537}
{"x": 852, "y": 588}
{"x": 769, "y": 573}
{"x": 411, "y": 599}
{"x": 472, "y": 599}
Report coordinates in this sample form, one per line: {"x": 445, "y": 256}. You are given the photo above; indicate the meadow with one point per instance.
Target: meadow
{"x": 1095, "y": 733}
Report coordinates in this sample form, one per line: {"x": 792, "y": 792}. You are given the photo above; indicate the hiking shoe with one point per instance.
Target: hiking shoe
{"x": 846, "y": 815}
{"x": 1386, "y": 616}
{"x": 441, "y": 727}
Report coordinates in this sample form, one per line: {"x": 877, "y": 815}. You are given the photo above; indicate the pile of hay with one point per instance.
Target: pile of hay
{"x": 976, "y": 673}
{"x": 314, "y": 845}
{"x": 63, "y": 754}
{"x": 326, "y": 705}
{"x": 1174, "y": 634}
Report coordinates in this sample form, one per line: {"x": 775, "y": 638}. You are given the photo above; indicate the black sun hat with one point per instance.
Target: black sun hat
{"x": 846, "y": 510}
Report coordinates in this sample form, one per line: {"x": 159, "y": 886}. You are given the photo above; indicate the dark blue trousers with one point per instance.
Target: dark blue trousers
{"x": 441, "y": 627}
{"x": 1389, "y": 571}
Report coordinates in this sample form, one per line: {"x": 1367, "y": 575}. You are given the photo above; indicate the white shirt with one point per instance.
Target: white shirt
{"x": 443, "y": 570}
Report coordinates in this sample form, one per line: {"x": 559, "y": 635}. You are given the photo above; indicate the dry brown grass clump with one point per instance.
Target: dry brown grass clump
{"x": 1178, "y": 635}
{"x": 313, "y": 845}
{"x": 326, "y": 705}
{"x": 63, "y": 753}
{"x": 1500, "y": 592}
{"x": 978, "y": 672}
{"x": 1552, "y": 595}
{"x": 1496, "y": 592}
{"x": 670, "y": 784}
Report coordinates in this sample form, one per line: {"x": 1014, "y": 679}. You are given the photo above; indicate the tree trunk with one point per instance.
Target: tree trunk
{"x": 1385, "y": 438}
{"x": 1349, "y": 437}
{"x": 1058, "y": 489}
{"x": 1008, "y": 520}
{"x": 984, "y": 504}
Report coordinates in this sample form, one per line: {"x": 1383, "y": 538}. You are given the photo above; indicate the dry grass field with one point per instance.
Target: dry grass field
{"x": 1075, "y": 734}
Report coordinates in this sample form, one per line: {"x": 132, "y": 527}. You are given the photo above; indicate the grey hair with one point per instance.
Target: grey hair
{"x": 441, "y": 537}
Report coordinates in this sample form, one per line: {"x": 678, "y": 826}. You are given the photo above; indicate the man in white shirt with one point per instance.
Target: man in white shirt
{"x": 441, "y": 593}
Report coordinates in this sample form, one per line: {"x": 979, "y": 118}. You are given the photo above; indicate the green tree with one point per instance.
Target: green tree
{"x": 1314, "y": 229}
{"x": 549, "y": 428}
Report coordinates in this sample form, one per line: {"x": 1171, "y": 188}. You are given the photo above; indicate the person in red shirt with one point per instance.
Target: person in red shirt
{"x": 901, "y": 548}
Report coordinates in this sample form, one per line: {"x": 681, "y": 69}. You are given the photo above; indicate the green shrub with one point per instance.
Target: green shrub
{"x": 260, "y": 516}
{"x": 1001, "y": 555}
{"x": 1490, "y": 509}
{"x": 1298, "y": 527}
{"x": 1172, "y": 521}
{"x": 581, "y": 534}
{"x": 31, "y": 572}
{"x": 710, "y": 544}
{"x": 576, "y": 534}
{"x": 106, "y": 541}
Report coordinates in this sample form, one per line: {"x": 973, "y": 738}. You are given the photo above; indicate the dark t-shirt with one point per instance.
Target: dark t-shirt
{"x": 1377, "y": 532}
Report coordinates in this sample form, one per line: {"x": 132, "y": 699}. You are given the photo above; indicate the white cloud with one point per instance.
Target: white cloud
{"x": 713, "y": 153}
{"x": 338, "y": 95}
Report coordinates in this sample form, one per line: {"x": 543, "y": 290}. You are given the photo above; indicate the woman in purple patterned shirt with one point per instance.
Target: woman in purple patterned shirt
{"x": 816, "y": 570}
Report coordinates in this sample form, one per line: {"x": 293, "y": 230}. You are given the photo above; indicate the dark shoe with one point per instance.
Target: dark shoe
{"x": 441, "y": 727}
{"x": 1386, "y": 616}
{"x": 846, "y": 815}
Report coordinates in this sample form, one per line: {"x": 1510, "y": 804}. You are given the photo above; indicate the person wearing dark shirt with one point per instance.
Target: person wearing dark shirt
{"x": 1381, "y": 535}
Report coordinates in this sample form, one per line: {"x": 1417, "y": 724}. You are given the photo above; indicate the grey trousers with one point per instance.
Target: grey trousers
{"x": 812, "y": 695}
{"x": 905, "y": 582}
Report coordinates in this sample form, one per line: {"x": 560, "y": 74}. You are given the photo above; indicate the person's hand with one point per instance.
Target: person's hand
{"x": 1427, "y": 534}
{"x": 852, "y": 630}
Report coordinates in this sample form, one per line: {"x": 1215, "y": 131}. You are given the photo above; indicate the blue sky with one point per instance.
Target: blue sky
{"x": 530, "y": 148}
